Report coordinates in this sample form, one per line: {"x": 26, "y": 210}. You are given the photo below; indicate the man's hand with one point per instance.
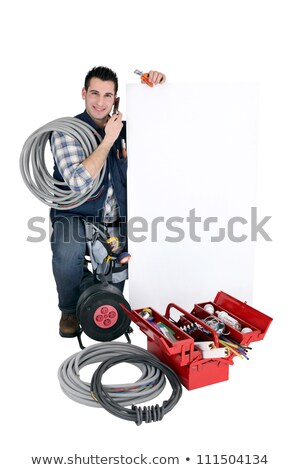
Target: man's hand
{"x": 94, "y": 163}
{"x": 157, "y": 78}
{"x": 113, "y": 128}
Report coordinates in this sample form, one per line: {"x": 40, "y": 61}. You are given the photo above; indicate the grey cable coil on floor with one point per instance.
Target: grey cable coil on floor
{"x": 33, "y": 167}
{"x": 150, "y": 384}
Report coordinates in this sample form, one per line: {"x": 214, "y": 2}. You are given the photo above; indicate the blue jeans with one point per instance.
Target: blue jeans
{"x": 70, "y": 270}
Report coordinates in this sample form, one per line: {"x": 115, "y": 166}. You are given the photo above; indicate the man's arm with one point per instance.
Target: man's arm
{"x": 77, "y": 171}
{"x": 94, "y": 163}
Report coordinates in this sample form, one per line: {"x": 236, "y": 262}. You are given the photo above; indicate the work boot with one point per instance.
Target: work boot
{"x": 68, "y": 325}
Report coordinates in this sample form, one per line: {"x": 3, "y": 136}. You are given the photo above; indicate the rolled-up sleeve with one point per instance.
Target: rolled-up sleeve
{"x": 69, "y": 156}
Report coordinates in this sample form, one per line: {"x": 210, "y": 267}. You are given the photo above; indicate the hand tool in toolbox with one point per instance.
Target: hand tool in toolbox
{"x": 200, "y": 346}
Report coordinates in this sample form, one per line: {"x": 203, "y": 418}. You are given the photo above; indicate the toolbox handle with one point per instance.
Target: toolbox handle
{"x": 194, "y": 318}
{"x": 171, "y": 305}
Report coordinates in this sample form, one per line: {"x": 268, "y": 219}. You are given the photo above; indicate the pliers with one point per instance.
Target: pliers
{"x": 144, "y": 77}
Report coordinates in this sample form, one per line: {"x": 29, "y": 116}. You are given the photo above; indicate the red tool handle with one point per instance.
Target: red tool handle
{"x": 171, "y": 305}
{"x": 145, "y": 79}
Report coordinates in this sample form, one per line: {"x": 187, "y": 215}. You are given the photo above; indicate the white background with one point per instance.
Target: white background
{"x": 46, "y": 51}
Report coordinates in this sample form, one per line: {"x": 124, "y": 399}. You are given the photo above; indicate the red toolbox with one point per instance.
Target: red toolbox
{"x": 177, "y": 342}
{"x": 247, "y": 317}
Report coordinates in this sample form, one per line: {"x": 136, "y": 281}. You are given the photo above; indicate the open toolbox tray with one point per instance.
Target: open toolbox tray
{"x": 178, "y": 349}
{"x": 247, "y": 316}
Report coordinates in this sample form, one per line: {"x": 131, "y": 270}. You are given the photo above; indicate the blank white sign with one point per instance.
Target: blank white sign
{"x": 191, "y": 186}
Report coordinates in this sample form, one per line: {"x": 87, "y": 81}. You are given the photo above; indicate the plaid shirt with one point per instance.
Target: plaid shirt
{"x": 69, "y": 156}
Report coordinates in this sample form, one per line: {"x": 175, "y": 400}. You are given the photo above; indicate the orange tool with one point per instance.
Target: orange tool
{"x": 124, "y": 150}
{"x": 144, "y": 77}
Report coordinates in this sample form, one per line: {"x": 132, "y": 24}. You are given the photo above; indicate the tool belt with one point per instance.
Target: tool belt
{"x": 105, "y": 249}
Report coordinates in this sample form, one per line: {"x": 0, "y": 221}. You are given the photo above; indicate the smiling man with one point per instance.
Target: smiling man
{"x": 107, "y": 205}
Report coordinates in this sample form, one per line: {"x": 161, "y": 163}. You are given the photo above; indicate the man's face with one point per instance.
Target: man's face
{"x": 99, "y": 99}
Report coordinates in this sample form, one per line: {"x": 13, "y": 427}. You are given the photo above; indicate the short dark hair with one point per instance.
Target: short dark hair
{"x": 103, "y": 73}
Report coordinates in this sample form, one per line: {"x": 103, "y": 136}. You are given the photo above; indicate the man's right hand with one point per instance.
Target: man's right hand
{"x": 113, "y": 128}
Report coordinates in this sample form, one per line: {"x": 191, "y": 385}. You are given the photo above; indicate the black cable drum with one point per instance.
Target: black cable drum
{"x": 100, "y": 312}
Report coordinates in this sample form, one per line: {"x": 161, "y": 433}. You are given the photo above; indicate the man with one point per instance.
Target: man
{"x": 107, "y": 205}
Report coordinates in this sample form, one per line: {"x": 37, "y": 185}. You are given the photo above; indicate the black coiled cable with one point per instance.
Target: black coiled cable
{"x": 139, "y": 414}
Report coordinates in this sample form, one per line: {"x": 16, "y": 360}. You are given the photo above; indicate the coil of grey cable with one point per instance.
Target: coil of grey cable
{"x": 150, "y": 384}
{"x": 34, "y": 170}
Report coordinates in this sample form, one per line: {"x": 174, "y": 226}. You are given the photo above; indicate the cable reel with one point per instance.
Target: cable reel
{"x": 100, "y": 312}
